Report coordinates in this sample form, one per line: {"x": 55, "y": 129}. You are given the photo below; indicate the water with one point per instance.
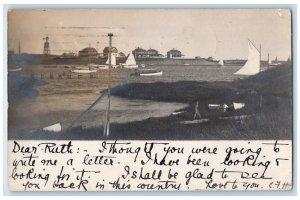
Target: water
{"x": 128, "y": 110}
{"x": 189, "y": 73}
{"x": 64, "y": 99}
{"x": 22, "y": 87}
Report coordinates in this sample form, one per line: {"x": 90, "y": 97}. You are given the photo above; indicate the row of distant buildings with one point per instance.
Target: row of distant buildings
{"x": 138, "y": 53}
{"x": 93, "y": 53}
{"x": 152, "y": 53}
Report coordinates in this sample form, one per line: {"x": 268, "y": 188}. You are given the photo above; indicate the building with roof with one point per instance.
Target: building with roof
{"x": 174, "y": 53}
{"x": 139, "y": 52}
{"x": 88, "y": 52}
{"x": 142, "y": 53}
{"x": 121, "y": 54}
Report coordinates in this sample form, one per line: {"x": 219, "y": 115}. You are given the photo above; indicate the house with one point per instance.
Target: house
{"x": 88, "y": 52}
{"x": 174, "y": 53}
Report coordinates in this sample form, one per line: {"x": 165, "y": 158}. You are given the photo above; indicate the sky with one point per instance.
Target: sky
{"x": 220, "y": 33}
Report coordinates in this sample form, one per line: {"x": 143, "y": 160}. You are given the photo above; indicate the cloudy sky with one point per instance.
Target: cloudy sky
{"x": 222, "y": 34}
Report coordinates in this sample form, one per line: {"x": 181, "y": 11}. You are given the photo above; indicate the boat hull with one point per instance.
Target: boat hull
{"x": 151, "y": 74}
{"x": 83, "y": 71}
{"x": 130, "y": 66}
{"x": 14, "y": 70}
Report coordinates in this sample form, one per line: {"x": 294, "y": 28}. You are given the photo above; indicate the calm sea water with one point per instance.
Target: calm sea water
{"x": 189, "y": 73}
{"x": 52, "y": 105}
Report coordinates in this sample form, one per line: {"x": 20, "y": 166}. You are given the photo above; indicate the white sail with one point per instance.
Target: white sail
{"x": 130, "y": 60}
{"x": 53, "y": 128}
{"x": 113, "y": 59}
{"x": 221, "y": 63}
{"x": 252, "y": 65}
{"x": 269, "y": 60}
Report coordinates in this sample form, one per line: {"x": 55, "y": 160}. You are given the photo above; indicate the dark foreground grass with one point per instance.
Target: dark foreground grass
{"x": 268, "y": 99}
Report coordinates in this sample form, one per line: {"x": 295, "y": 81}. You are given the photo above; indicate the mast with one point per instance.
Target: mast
{"x": 89, "y": 59}
{"x": 106, "y": 126}
{"x": 259, "y": 54}
{"x": 268, "y": 60}
{"x": 19, "y": 50}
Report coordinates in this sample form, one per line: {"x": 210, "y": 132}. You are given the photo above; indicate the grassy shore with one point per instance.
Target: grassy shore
{"x": 268, "y": 99}
{"x": 267, "y": 96}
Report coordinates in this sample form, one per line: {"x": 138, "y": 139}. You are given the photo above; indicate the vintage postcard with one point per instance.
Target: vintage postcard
{"x": 150, "y": 99}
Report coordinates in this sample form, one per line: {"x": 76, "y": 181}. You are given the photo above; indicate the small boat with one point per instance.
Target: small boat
{"x": 178, "y": 113}
{"x": 214, "y": 106}
{"x": 14, "y": 69}
{"x": 148, "y": 72}
{"x": 53, "y": 128}
{"x": 186, "y": 64}
{"x": 274, "y": 63}
{"x": 199, "y": 121}
{"x": 84, "y": 71}
{"x": 82, "y": 67}
{"x": 102, "y": 66}
{"x": 238, "y": 106}
{"x": 217, "y": 106}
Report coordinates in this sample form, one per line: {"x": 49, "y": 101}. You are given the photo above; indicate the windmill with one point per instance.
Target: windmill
{"x": 46, "y": 46}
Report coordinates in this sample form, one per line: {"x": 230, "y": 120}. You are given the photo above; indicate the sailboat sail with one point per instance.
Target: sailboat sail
{"x": 113, "y": 59}
{"x": 269, "y": 60}
{"x": 221, "y": 63}
{"x": 130, "y": 60}
{"x": 252, "y": 65}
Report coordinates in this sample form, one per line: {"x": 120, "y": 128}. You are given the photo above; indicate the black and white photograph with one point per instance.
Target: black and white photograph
{"x": 150, "y": 74}
{"x": 150, "y": 99}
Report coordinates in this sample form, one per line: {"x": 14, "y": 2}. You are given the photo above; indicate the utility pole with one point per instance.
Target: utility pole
{"x": 268, "y": 60}
{"x": 19, "y": 49}
{"x": 106, "y": 126}
{"x": 259, "y": 54}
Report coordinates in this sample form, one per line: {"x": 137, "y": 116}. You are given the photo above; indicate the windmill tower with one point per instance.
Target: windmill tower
{"x": 46, "y": 46}
{"x": 97, "y": 45}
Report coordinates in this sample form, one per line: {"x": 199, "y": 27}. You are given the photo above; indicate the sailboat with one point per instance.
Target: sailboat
{"x": 130, "y": 62}
{"x": 269, "y": 60}
{"x": 221, "y": 63}
{"x": 275, "y": 63}
{"x": 252, "y": 66}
